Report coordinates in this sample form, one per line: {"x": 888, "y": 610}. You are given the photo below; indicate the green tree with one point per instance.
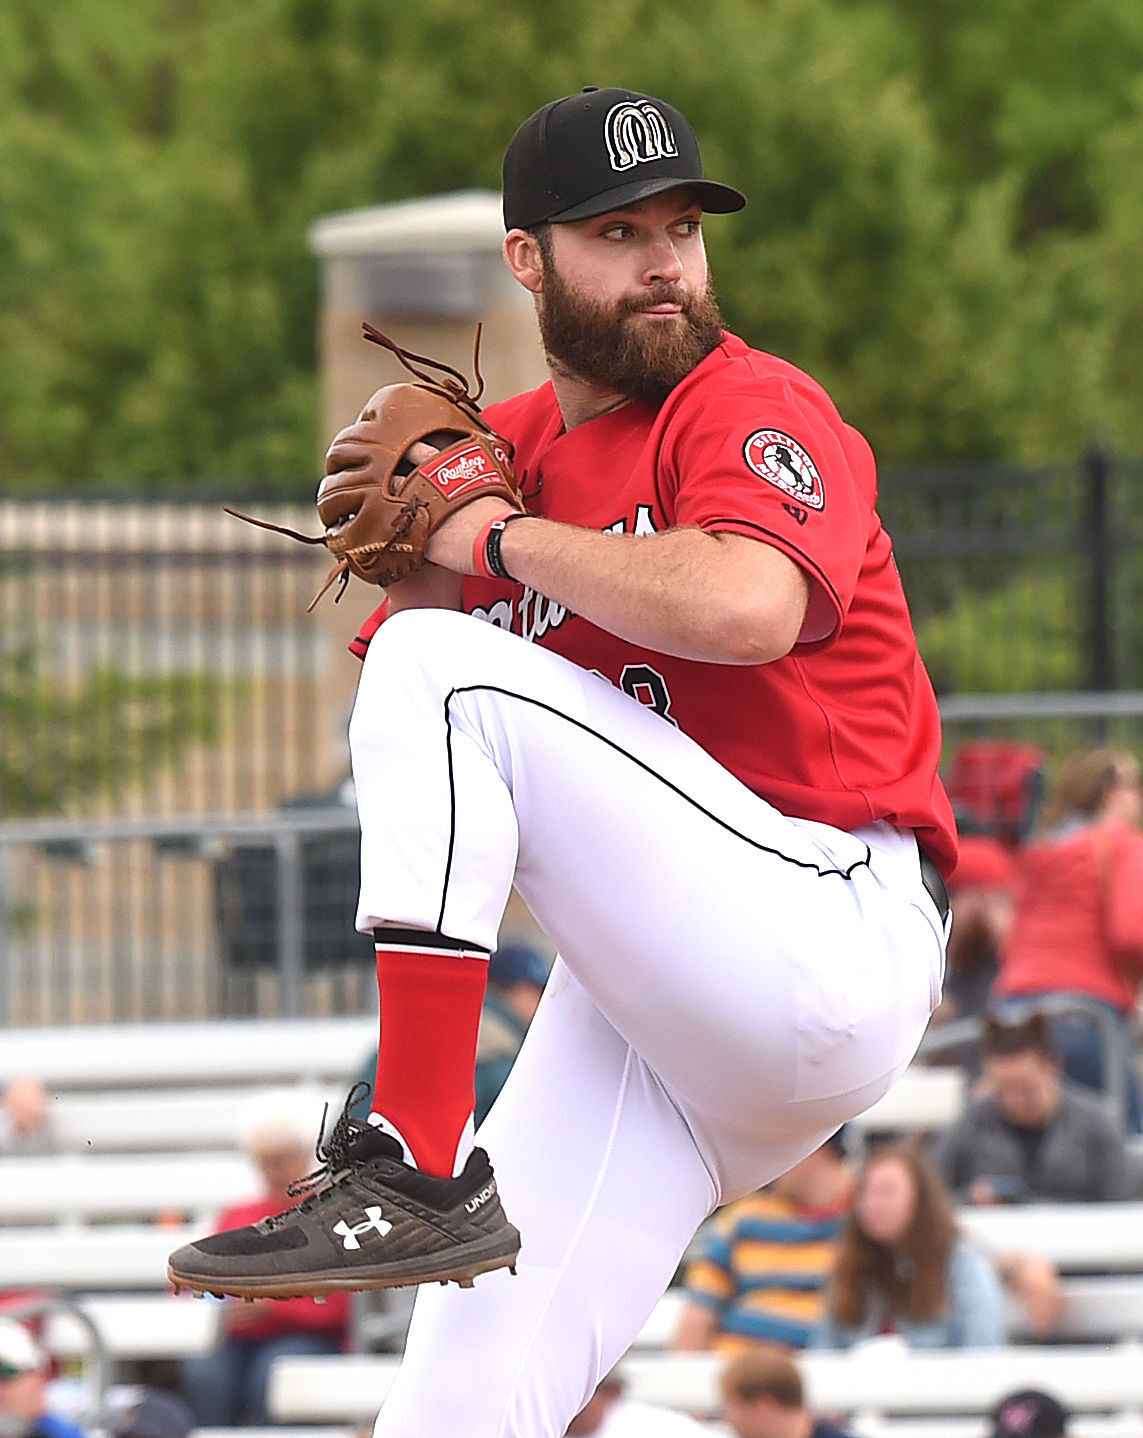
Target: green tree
{"x": 941, "y": 219}
{"x": 57, "y": 748}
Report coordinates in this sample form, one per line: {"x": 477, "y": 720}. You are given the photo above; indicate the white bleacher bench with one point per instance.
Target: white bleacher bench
{"x": 117, "y": 1273}
{"x": 143, "y": 1134}
{"x": 158, "y": 1120}
{"x": 351, "y": 1387}
{"x": 161, "y": 1325}
{"x": 121, "y": 1088}
{"x": 339, "y": 1388}
{"x": 923, "y": 1099}
{"x": 224, "y": 1051}
{"x": 659, "y": 1330}
{"x": 1077, "y": 1237}
{"x": 340, "y": 1430}
{"x": 890, "y": 1381}
{"x": 1084, "y": 1425}
{"x": 109, "y": 1257}
{"x": 83, "y": 1188}
{"x": 1104, "y": 1308}
{"x": 142, "y": 1326}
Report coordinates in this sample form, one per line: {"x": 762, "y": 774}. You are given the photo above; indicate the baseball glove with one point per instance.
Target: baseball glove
{"x": 377, "y": 507}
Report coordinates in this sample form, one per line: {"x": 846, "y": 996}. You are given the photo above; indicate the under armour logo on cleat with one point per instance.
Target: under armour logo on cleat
{"x": 373, "y": 1220}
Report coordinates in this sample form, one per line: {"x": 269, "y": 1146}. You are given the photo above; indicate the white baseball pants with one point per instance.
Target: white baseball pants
{"x": 733, "y": 985}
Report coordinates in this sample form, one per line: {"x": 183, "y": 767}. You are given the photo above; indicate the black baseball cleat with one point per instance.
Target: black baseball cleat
{"x": 368, "y": 1220}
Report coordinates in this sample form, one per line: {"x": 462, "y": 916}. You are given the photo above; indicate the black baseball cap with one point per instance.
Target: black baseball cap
{"x": 598, "y": 151}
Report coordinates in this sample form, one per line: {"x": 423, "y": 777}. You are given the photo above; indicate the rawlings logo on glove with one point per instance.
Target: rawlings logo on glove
{"x": 454, "y": 472}
{"x": 378, "y": 506}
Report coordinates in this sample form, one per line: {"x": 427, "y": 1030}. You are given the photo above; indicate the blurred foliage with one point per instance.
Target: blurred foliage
{"x": 59, "y": 746}
{"x": 968, "y": 647}
{"x": 945, "y": 227}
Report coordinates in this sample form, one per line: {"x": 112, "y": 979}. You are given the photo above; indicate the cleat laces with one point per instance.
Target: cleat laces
{"x": 332, "y": 1155}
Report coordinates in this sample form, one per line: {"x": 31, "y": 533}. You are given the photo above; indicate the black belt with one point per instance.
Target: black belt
{"x": 934, "y": 885}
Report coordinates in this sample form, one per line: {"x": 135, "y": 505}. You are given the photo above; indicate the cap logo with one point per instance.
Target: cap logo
{"x": 637, "y": 131}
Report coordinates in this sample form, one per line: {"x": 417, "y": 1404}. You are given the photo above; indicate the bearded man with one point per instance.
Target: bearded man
{"x": 698, "y": 739}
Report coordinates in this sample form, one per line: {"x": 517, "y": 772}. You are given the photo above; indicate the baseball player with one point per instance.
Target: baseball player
{"x": 678, "y": 703}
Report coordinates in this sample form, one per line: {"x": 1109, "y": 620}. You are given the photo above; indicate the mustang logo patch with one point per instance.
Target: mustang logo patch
{"x": 782, "y": 462}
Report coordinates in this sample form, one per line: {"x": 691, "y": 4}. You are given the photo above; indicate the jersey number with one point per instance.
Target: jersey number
{"x": 649, "y": 687}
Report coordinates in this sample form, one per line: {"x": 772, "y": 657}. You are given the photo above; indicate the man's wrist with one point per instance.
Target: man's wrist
{"x": 487, "y": 559}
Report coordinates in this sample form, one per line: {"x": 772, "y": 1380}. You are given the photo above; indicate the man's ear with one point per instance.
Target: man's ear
{"x": 522, "y": 252}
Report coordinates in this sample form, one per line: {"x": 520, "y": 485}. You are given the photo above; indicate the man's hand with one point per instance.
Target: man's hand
{"x": 415, "y": 456}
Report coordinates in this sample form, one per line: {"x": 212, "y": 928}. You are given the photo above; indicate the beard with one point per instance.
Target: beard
{"x": 606, "y": 345}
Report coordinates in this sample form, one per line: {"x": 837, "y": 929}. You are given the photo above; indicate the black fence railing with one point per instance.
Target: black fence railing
{"x": 1023, "y": 580}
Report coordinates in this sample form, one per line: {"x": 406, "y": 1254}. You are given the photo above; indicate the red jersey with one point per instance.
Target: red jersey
{"x": 845, "y": 729}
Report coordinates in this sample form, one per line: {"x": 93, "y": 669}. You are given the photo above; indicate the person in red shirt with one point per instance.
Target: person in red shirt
{"x": 1077, "y": 923}
{"x": 227, "y": 1386}
{"x": 678, "y": 705}
{"x": 980, "y": 895}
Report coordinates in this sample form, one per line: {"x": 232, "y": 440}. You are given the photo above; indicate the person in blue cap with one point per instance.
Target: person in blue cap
{"x": 516, "y": 978}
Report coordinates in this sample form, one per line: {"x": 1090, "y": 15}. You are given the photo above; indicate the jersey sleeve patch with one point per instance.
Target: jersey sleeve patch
{"x": 782, "y": 462}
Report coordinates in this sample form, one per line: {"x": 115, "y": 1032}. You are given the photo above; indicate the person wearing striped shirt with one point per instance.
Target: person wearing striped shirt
{"x": 761, "y": 1268}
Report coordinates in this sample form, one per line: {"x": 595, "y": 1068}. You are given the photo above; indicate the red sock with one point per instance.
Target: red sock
{"x": 431, "y": 997}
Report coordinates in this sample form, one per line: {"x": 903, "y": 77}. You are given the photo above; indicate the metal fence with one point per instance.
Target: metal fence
{"x": 194, "y": 916}
{"x": 172, "y": 722}
{"x": 157, "y": 658}
{"x": 1023, "y": 580}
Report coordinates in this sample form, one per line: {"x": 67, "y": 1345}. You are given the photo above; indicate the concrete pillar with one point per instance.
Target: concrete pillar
{"x": 425, "y": 272}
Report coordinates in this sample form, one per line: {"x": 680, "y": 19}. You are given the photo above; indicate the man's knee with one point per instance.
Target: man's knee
{"x": 418, "y": 631}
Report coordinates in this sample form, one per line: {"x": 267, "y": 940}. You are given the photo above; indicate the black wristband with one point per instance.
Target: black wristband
{"x": 492, "y": 545}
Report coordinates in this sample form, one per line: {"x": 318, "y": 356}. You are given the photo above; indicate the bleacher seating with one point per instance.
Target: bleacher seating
{"x": 870, "y": 1383}
{"x": 249, "y": 1051}
{"x": 143, "y": 1124}
{"x": 143, "y": 1131}
{"x": 78, "y": 1189}
{"x": 1098, "y": 1249}
{"x": 924, "y": 1100}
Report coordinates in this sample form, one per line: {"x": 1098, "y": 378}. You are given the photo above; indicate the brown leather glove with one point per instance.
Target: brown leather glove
{"x": 378, "y": 505}
{"x": 378, "y": 509}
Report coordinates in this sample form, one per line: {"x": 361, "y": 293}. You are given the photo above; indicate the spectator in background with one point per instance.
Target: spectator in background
{"x": 227, "y": 1386}
{"x": 1029, "y": 1135}
{"x": 763, "y": 1397}
{"x": 517, "y": 974}
{"x": 136, "y": 1412}
{"x": 608, "y": 1414}
{"x": 24, "y": 1126}
{"x": 516, "y": 978}
{"x": 24, "y": 1130}
{"x": 1029, "y": 1413}
{"x": 25, "y": 1411}
{"x": 980, "y": 899}
{"x": 1077, "y": 925}
{"x": 761, "y": 1269}
{"x": 902, "y": 1268}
